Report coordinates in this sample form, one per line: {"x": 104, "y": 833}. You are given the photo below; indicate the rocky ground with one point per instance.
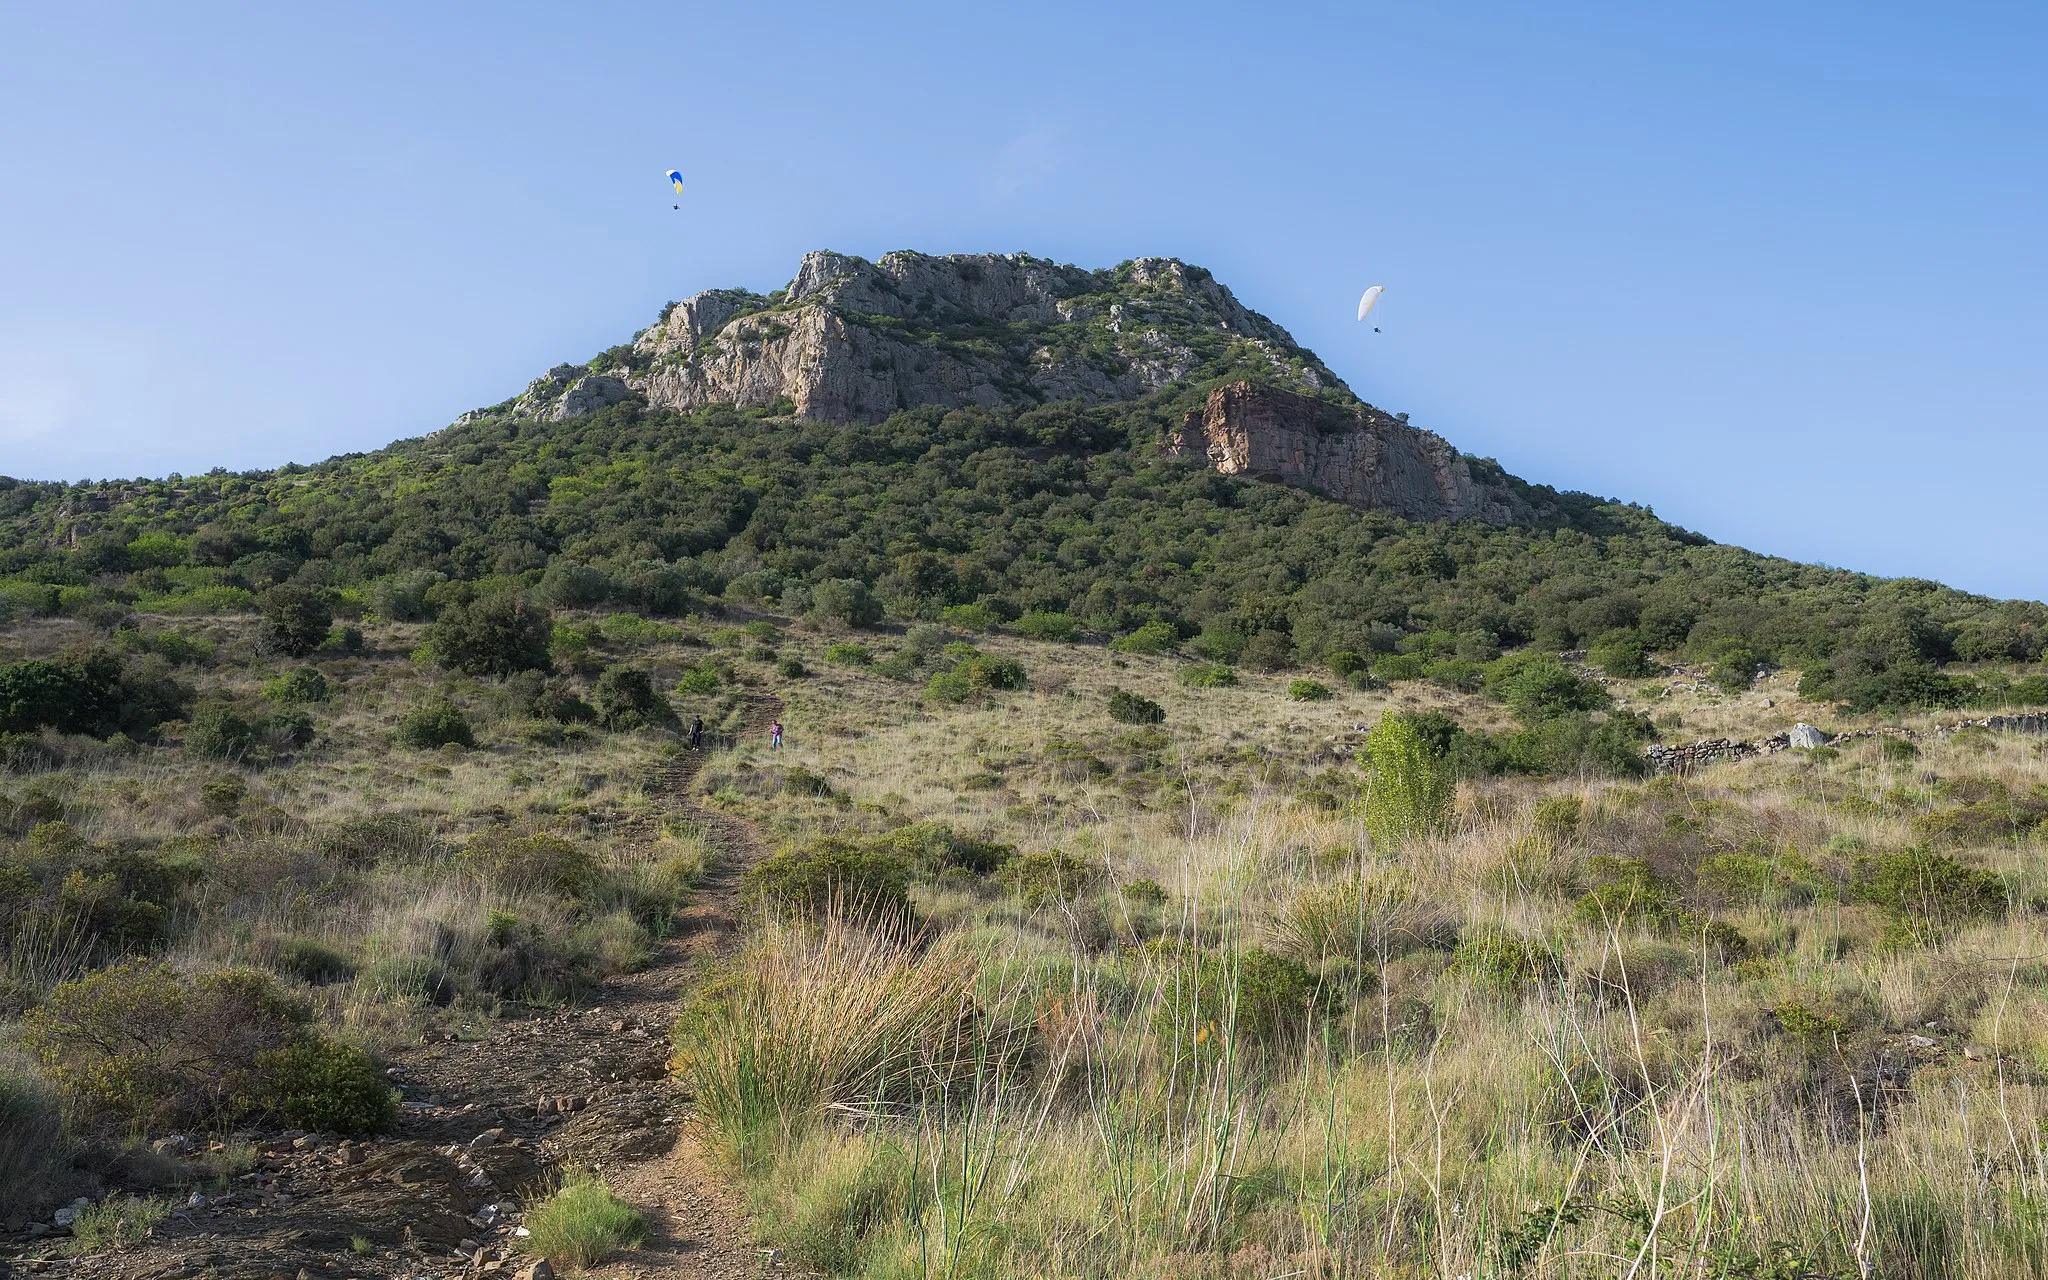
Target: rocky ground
{"x": 486, "y": 1120}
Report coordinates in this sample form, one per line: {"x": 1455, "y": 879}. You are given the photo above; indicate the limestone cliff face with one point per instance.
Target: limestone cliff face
{"x": 852, "y": 341}
{"x": 1361, "y": 457}
{"x": 855, "y": 341}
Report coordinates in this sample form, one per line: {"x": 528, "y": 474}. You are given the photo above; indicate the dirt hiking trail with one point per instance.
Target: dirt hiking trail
{"x": 484, "y": 1122}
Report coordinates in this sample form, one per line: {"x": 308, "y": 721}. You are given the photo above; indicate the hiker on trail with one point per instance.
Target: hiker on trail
{"x": 697, "y": 733}
{"x": 775, "y": 736}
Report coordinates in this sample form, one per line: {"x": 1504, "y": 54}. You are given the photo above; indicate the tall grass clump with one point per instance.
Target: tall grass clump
{"x": 812, "y": 1020}
{"x": 32, "y": 1144}
{"x": 583, "y": 1223}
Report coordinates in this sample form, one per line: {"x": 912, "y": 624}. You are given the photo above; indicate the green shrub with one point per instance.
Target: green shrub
{"x": 970, "y": 617}
{"x": 1221, "y": 640}
{"x": 88, "y": 691}
{"x": 1457, "y": 674}
{"x": 583, "y": 1223}
{"x": 1621, "y": 654}
{"x": 1391, "y": 667}
{"x": 1126, "y": 707}
{"x": 1345, "y": 663}
{"x": 1734, "y": 669}
{"x": 1153, "y": 637}
{"x": 973, "y": 674}
{"x": 568, "y": 585}
{"x": 948, "y": 686}
{"x": 1897, "y": 750}
{"x": 987, "y": 671}
{"x": 799, "y": 781}
{"x": 1041, "y": 625}
{"x": 433, "y": 725}
{"x": 541, "y": 862}
{"x": 846, "y": 601}
{"x": 831, "y": 873}
{"x": 1927, "y": 893}
{"x": 1047, "y": 877}
{"x": 1410, "y": 785}
{"x": 1148, "y": 893}
{"x": 223, "y": 796}
{"x": 1207, "y": 675}
{"x": 300, "y": 684}
{"x": 626, "y": 700}
{"x": 792, "y": 669}
{"x": 848, "y": 654}
{"x": 285, "y": 731}
{"x": 138, "y": 1045}
{"x": 934, "y": 847}
{"x": 1308, "y": 691}
{"x": 1268, "y": 650}
{"x": 1538, "y": 687}
{"x": 219, "y": 732}
{"x": 698, "y": 681}
{"x": 494, "y": 635}
{"x": 328, "y": 1088}
{"x": 295, "y": 620}
{"x": 307, "y": 959}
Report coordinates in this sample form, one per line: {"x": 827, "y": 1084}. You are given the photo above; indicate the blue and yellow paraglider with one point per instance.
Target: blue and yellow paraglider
{"x": 676, "y": 178}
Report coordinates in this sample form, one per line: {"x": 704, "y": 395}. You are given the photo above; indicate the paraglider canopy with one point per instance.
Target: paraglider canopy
{"x": 677, "y": 178}
{"x": 1372, "y": 295}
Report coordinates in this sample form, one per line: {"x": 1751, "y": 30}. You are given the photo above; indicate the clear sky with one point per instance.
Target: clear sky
{"x": 1774, "y": 269}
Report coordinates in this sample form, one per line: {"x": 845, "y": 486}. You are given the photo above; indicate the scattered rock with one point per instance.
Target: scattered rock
{"x": 488, "y": 1138}
{"x": 1804, "y": 737}
{"x": 175, "y": 1145}
{"x": 1919, "y": 1042}
{"x": 538, "y": 1271}
{"x": 1976, "y": 1052}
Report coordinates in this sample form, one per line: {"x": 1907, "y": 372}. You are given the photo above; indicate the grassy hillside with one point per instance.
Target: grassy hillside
{"x": 1206, "y": 1004}
{"x": 1171, "y": 874}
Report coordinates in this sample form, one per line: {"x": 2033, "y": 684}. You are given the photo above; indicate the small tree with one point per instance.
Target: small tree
{"x": 1269, "y": 650}
{"x": 295, "y": 620}
{"x": 846, "y": 601}
{"x": 496, "y": 635}
{"x": 626, "y": 700}
{"x": 1409, "y": 786}
{"x": 437, "y": 724}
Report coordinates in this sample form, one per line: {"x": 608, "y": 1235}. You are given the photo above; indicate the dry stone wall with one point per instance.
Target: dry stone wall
{"x": 1681, "y": 757}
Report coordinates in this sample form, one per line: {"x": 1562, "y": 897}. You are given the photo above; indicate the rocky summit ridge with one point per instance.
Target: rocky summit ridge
{"x": 850, "y": 340}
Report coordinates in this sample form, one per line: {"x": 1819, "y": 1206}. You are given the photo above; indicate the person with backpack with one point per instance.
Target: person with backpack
{"x": 697, "y": 733}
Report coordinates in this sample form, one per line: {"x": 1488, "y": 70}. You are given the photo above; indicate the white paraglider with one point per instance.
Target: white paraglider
{"x": 1365, "y": 303}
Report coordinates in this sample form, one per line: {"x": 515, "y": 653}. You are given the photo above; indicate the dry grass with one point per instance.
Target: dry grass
{"x": 1433, "y": 1120}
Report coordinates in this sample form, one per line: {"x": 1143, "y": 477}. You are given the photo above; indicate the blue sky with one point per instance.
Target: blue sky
{"x": 1776, "y": 270}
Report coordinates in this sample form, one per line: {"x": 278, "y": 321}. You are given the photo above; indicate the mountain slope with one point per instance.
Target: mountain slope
{"x": 1086, "y": 443}
{"x": 854, "y": 341}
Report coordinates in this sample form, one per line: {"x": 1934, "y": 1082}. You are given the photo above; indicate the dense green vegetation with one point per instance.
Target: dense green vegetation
{"x": 1052, "y": 518}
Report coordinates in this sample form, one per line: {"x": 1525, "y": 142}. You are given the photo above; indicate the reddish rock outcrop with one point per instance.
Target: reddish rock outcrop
{"x": 1360, "y": 457}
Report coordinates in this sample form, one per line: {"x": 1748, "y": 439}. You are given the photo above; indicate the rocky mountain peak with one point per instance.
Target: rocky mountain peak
{"x": 851, "y": 340}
